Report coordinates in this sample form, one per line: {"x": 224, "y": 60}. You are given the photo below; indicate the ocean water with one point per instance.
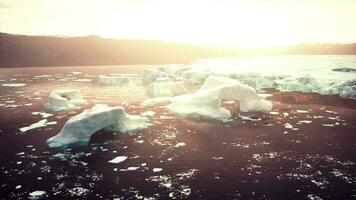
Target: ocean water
{"x": 317, "y": 66}
{"x": 242, "y": 158}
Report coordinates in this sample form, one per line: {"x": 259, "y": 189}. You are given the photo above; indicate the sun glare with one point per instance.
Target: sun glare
{"x": 239, "y": 23}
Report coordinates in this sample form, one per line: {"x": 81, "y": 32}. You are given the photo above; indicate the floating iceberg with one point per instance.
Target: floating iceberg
{"x": 207, "y": 100}
{"x": 286, "y": 73}
{"x": 164, "y": 87}
{"x": 13, "y": 84}
{"x": 42, "y": 123}
{"x": 150, "y": 75}
{"x": 79, "y": 129}
{"x": 66, "y": 99}
{"x": 114, "y": 80}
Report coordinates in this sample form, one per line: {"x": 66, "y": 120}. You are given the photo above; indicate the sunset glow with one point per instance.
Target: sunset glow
{"x": 225, "y": 22}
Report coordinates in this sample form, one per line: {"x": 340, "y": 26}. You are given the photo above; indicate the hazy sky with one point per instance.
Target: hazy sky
{"x": 228, "y": 22}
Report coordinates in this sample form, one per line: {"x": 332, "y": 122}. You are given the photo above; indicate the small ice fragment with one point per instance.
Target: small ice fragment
{"x": 132, "y": 168}
{"x": 248, "y": 118}
{"x": 82, "y": 80}
{"x": 273, "y": 113}
{"x": 218, "y": 158}
{"x": 118, "y": 159}
{"x": 302, "y": 111}
{"x": 36, "y": 125}
{"x": 148, "y": 114}
{"x": 157, "y": 170}
{"x": 43, "y": 114}
{"x": 20, "y": 154}
{"x": 13, "y": 84}
{"x": 36, "y": 194}
{"x": 181, "y": 144}
{"x": 18, "y": 187}
{"x": 305, "y": 121}
{"x": 288, "y": 125}
{"x": 328, "y": 125}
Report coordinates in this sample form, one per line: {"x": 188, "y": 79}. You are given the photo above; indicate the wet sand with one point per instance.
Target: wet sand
{"x": 311, "y": 157}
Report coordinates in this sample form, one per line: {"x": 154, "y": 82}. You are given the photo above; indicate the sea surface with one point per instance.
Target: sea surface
{"x": 303, "y": 149}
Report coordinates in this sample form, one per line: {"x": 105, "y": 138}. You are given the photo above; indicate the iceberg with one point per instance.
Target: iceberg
{"x": 65, "y": 99}
{"x": 114, "y": 80}
{"x": 164, "y": 87}
{"x": 260, "y": 72}
{"x": 78, "y": 130}
{"x": 207, "y": 100}
{"x": 150, "y": 75}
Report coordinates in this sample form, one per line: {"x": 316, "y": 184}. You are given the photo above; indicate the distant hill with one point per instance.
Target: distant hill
{"x": 24, "y": 51}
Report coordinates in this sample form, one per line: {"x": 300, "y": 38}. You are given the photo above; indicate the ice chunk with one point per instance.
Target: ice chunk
{"x": 43, "y": 114}
{"x": 148, "y": 114}
{"x": 206, "y": 102}
{"x": 82, "y": 80}
{"x": 288, "y": 125}
{"x": 79, "y": 129}
{"x": 65, "y": 99}
{"x": 150, "y": 75}
{"x": 36, "y": 194}
{"x": 118, "y": 159}
{"x": 13, "y": 84}
{"x": 302, "y": 111}
{"x": 39, "y": 124}
{"x": 181, "y": 144}
{"x": 130, "y": 123}
{"x": 195, "y": 76}
{"x": 158, "y": 101}
{"x": 174, "y": 70}
{"x": 114, "y": 80}
{"x": 155, "y": 170}
{"x": 165, "y": 88}
{"x": 349, "y": 92}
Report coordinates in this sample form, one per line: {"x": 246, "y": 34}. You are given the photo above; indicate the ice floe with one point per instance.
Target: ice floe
{"x": 42, "y": 123}
{"x": 118, "y": 159}
{"x": 206, "y": 102}
{"x": 13, "y": 84}
{"x": 150, "y": 75}
{"x": 43, "y": 114}
{"x": 79, "y": 129}
{"x": 259, "y": 76}
{"x": 37, "y": 194}
{"x": 64, "y": 99}
{"x": 114, "y": 80}
{"x": 165, "y": 88}
{"x": 157, "y": 170}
